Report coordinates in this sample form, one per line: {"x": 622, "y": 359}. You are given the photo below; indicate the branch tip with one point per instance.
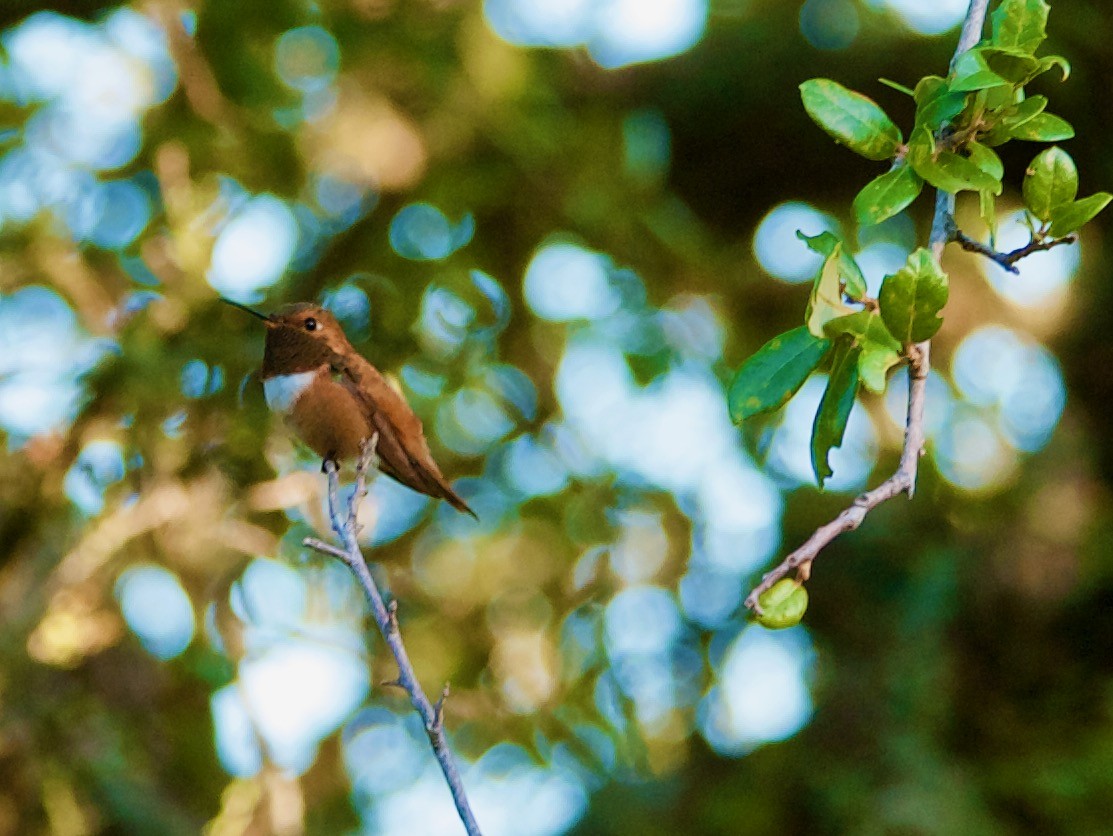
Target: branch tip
{"x": 438, "y": 710}
{"x": 325, "y": 548}
{"x": 1007, "y": 261}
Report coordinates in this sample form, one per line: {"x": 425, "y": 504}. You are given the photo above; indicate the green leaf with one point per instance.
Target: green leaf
{"x": 851, "y": 118}
{"x": 1069, "y": 217}
{"x": 900, "y": 88}
{"x": 946, "y": 170}
{"x": 912, "y": 298}
{"x": 936, "y": 103}
{"x": 853, "y": 282}
{"x": 773, "y": 375}
{"x": 986, "y": 159}
{"x": 1011, "y": 64}
{"x": 835, "y": 406}
{"x": 885, "y": 196}
{"x": 987, "y": 208}
{"x": 1043, "y": 127}
{"x": 880, "y": 351}
{"x": 1050, "y": 181}
{"x": 824, "y": 243}
{"x": 874, "y": 364}
{"x": 996, "y": 99}
{"x": 1012, "y": 117}
{"x": 957, "y": 174}
{"x": 971, "y": 72}
{"x": 850, "y": 274}
{"x": 826, "y": 302}
{"x": 863, "y": 327}
{"x": 921, "y": 147}
{"x": 1055, "y": 61}
{"x": 1021, "y": 24}
{"x": 1023, "y": 111}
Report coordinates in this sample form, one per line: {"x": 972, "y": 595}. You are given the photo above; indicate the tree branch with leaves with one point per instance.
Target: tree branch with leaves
{"x": 981, "y": 104}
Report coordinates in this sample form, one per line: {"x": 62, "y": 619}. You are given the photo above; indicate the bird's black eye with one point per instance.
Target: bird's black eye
{"x": 310, "y": 324}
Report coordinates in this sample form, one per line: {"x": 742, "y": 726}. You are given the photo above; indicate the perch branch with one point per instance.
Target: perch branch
{"x": 919, "y": 358}
{"x": 432, "y": 715}
{"x": 1006, "y": 260}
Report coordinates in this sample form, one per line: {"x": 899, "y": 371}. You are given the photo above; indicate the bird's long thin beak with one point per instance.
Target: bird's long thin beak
{"x": 245, "y": 308}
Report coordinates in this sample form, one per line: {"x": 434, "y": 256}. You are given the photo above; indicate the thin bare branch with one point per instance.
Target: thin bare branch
{"x": 325, "y": 548}
{"x": 919, "y": 358}
{"x": 346, "y": 528}
{"x": 1006, "y": 260}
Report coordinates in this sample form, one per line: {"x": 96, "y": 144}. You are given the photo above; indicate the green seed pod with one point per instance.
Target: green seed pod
{"x": 783, "y": 604}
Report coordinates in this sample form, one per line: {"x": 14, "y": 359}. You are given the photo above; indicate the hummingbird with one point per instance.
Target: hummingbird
{"x": 334, "y": 399}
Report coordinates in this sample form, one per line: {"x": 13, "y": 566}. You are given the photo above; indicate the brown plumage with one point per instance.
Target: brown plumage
{"x": 335, "y": 400}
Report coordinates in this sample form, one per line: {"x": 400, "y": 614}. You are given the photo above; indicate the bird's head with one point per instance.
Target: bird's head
{"x": 300, "y": 336}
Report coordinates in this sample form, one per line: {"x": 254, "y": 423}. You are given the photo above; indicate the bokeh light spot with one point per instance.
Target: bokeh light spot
{"x": 270, "y": 594}
{"x": 997, "y": 369}
{"x": 253, "y": 249}
{"x": 641, "y": 619}
{"x": 351, "y": 306}
{"x": 43, "y": 354}
{"x": 122, "y": 212}
{"x": 932, "y": 18}
{"x": 762, "y": 694}
{"x": 307, "y": 58}
{"x": 554, "y": 23}
{"x": 633, "y": 31}
{"x": 157, "y": 609}
{"x": 532, "y": 468}
{"x": 616, "y": 32}
{"x": 237, "y": 744}
{"x": 300, "y": 691}
{"x": 421, "y": 232}
{"x": 829, "y": 24}
{"x": 779, "y": 252}
{"x": 710, "y": 598}
{"x": 443, "y": 321}
{"x": 878, "y": 261}
{"x": 380, "y": 752}
{"x": 342, "y": 200}
{"x": 971, "y": 454}
{"x": 99, "y": 466}
{"x": 565, "y": 282}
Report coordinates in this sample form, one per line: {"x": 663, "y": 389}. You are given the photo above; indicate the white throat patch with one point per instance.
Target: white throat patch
{"x": 283, "y": 390}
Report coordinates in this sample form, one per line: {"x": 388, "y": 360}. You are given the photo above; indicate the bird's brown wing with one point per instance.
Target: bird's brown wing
{"x": 402, "y": 449}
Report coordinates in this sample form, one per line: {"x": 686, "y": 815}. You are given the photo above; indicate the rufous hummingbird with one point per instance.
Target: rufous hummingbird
{"x": 334, "y": 400}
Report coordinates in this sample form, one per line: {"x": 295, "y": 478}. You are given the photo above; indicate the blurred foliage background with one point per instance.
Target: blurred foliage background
{"x": 559, "y": 226}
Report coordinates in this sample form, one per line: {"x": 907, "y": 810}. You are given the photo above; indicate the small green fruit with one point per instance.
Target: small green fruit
{"x": 783, "y": 605}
